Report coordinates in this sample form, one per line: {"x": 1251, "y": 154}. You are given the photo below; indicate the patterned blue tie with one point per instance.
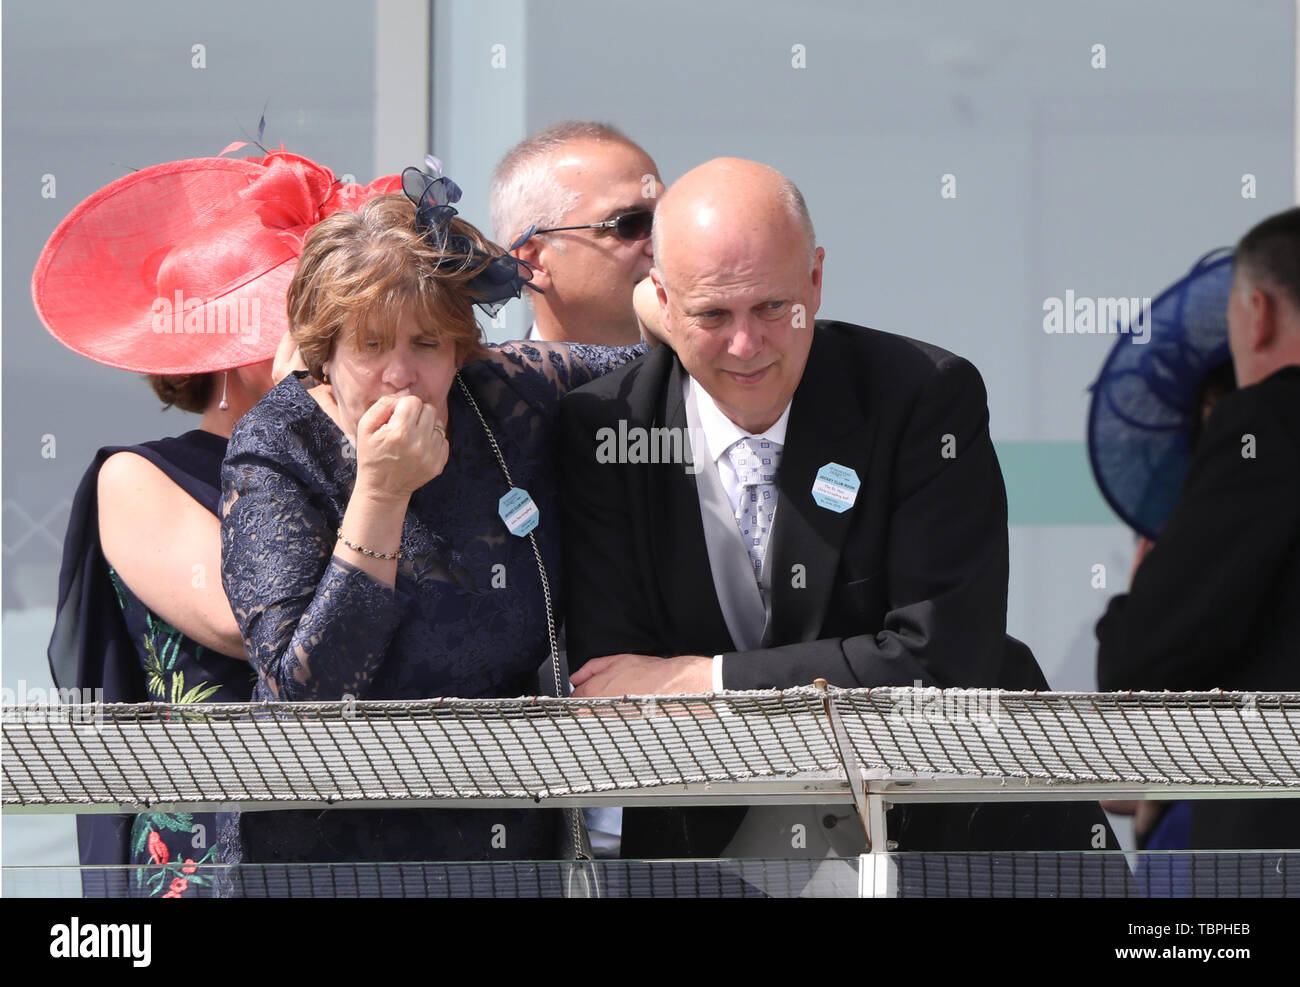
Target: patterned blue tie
{"x": 756, "y": 462}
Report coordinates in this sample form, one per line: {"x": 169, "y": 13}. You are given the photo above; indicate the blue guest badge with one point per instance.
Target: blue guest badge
{"x": 518, "y": 511}
{"x": 835, "y": 488}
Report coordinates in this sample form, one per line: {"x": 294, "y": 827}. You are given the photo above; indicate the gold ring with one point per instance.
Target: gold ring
{"x": 442, "y": 431}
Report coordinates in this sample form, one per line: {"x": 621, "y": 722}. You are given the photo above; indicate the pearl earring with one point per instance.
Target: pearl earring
{"x": 223, "y": 404}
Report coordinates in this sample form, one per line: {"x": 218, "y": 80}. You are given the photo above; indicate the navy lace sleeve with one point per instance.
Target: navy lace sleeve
{"x": 314, "y": 627}
{"x": 542, "y": 373}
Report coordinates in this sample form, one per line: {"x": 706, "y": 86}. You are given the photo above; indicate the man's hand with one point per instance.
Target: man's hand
{"x": 643, "y": 675}
{"x": 645, "y": 302}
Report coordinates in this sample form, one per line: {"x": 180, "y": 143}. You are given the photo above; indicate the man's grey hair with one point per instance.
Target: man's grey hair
{"x": 525, "y": 192}
{"x": 795, "y": 205}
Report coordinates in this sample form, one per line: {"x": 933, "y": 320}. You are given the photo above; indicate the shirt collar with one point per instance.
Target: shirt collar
{"x": 720, "y": 432}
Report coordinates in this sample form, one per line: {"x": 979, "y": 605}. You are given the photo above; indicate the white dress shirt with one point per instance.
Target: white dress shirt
{"x": 704, "y": 417}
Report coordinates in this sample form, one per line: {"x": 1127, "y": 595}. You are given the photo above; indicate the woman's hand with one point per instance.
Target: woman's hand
{"x": 645, "y": 302}
{"x": 401, "y": 446}
{"x": 287, "y": 359}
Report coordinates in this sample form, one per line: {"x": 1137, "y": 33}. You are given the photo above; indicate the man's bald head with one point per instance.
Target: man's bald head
{"x": 737, "y": 274}
{"x": 731, "y": 197}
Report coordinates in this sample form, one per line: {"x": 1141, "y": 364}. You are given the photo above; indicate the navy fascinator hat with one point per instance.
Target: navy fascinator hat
{"x": 1146, "y": 403}
{"x": 500, "y": 276}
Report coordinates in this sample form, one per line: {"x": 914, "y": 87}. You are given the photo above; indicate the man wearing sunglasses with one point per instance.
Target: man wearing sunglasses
{"x": 591, "y": 193}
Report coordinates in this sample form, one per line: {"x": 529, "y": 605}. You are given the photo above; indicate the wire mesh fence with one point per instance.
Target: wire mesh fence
{"x": 758, "y": 746}
{"x": 804, "y": 746}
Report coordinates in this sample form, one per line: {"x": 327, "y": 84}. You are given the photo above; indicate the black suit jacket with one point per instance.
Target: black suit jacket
{"x": 907, "y": 586}
{"x": 910, "y": 584}
{"x": 1216, "y": 604}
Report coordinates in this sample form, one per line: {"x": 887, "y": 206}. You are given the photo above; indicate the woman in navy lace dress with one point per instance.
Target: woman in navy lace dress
{"x": 364, "y": 552}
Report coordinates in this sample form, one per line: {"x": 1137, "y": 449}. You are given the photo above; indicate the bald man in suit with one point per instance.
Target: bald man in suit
{"x": 842, "y": 515}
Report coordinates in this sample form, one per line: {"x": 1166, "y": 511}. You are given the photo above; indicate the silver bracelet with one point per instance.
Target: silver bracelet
{"x": 365, "y": 551}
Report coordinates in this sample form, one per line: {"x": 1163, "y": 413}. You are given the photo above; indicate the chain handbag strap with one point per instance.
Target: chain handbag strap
{"x": 573, "y": 817}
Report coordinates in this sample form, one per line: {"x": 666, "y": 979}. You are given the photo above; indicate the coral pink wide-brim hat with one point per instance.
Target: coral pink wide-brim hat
{"x": 183, "y": 268}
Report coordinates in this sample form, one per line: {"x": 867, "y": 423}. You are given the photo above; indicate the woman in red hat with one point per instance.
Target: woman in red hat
{"x": 179, "y": 272}
{"x": 390, "y": 518}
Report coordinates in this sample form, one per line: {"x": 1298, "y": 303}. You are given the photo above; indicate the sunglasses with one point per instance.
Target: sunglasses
{"x": 630, "y": 226}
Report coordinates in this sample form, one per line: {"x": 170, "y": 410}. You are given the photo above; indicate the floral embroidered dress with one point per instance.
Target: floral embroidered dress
{"x": 106, "y": 639}
{"x": 466, "y": 618}
{"x": 169, "y": 846}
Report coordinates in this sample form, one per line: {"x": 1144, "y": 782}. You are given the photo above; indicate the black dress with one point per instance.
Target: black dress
{"x": 108, "y": 645}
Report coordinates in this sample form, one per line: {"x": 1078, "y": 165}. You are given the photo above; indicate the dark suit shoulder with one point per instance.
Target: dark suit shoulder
{"x": 1259, "y": 423}
{"x": 891, "y": 371}
{"x": 892, "y": 352}
{"x": 631, "y": 391}
{"x": 1273, "y": 402}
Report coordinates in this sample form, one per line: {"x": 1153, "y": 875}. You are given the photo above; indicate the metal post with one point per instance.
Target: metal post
{"x": 877, "y": 874}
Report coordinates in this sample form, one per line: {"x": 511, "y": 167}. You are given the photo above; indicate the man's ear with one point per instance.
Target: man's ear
{"x": 1262, "y": 310}
{"x": 533, "y": 251}
{"x": 819, "y": 255}
{"x": 657, "y": 280}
